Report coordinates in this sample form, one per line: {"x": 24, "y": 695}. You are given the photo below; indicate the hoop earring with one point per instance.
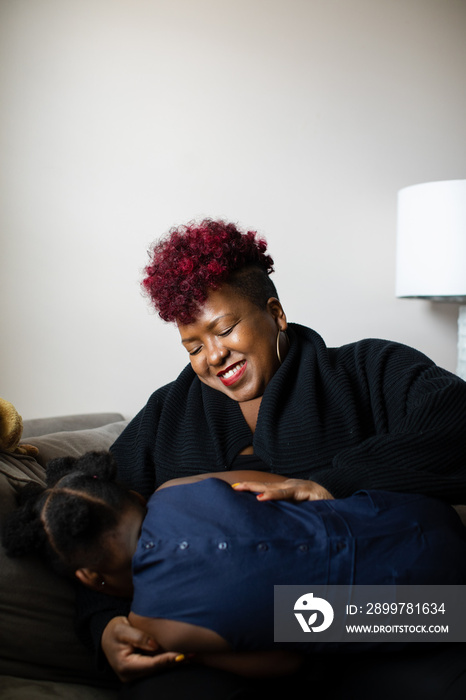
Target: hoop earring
{"x": 278, "y": 347}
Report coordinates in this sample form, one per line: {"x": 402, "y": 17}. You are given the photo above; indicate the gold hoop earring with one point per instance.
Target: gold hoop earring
{"x": 278, "y": 345}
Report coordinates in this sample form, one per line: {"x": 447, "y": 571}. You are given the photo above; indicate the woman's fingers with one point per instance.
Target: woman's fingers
{"x": 289, "y": 490}
{"x": 254, "y": 486}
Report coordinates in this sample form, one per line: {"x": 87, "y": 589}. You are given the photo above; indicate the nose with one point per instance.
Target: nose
{"x": 216, "y": 353}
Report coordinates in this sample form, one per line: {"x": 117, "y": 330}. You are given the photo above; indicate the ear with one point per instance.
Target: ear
{"x": 276, "y": 309}
{"x": 140, "y": 498}
{"x": 90, "y": 578}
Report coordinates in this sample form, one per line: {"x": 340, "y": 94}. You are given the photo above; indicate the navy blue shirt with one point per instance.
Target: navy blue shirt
{"x": 210, "y": 556}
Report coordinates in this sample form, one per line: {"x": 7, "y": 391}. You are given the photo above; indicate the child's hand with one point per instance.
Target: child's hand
{"x": 132, "y": 653}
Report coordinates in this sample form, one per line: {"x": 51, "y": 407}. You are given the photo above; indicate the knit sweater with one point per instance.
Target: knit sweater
{"x": 369, "y": 415}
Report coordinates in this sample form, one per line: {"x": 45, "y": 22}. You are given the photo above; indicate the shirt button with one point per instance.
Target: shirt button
{"x": 340, "y": 545}
{"x": 303, "y": 547}
{"x": 262, "y": 547}
{"x": 184, "y": 545}
{"x": 222, "y": 545}
{"x": 148, "y": 545}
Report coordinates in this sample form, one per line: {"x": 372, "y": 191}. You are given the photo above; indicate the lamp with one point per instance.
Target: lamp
{"x": 431, "y": 248}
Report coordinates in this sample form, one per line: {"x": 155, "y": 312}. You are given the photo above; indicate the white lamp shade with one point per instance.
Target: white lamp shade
{"x": 431, "y": 241}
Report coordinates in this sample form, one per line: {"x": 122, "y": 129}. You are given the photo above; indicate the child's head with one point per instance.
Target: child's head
{"x": 84, "y": 522}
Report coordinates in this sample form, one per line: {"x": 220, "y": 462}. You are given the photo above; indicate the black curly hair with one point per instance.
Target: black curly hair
{"x": 67, "y": 521}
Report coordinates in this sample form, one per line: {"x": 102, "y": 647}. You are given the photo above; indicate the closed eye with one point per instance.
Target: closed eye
{"x": 227, "y": 332}
{"x": 221, "y": 334}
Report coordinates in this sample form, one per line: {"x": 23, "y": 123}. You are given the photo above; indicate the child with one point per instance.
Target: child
{"x": 201, "y": 559}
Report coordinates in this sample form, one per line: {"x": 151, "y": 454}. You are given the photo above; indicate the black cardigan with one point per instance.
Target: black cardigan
{"x": 372, "y": 414}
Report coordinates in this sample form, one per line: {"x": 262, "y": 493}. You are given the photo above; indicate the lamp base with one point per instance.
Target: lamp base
{"x": 461, "y": 367}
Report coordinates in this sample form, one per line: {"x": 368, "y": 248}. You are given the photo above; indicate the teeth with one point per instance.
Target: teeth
{"x": 233, "y": 370}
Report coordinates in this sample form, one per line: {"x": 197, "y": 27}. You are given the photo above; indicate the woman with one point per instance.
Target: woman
{"x": 265, "y": 394}
{"x": 201, "y": 561}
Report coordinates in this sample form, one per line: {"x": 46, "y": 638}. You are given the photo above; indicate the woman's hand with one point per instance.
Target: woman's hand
{"x": 288, "y": 490}
{"x": 123, "y": 646}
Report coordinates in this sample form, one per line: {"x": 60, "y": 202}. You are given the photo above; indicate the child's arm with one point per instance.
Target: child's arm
{"x": 211, "y": 649}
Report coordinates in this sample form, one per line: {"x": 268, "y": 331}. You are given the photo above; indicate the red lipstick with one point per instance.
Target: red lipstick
{"x": 235, "y": 376}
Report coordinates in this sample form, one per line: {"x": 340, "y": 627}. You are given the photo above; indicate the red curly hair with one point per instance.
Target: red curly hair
{"x": 195, "y": 258}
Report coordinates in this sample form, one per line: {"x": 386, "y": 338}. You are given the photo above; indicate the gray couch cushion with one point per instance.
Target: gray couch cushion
{"x": 43, "y": 426}
{"x": 37, "y": 638}
{"x": 75, "y": 442}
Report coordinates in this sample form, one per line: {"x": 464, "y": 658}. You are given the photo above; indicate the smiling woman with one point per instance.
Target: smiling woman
{"x": 214, "y": 282}
{"x": 261, "y": 393}
{"x": 232, "y": 344}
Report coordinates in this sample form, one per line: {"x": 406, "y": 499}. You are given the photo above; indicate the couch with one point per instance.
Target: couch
{"x": 40, "y": 655}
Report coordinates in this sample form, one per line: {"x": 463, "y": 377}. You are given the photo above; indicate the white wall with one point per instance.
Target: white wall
{"x": 302, "y": 119}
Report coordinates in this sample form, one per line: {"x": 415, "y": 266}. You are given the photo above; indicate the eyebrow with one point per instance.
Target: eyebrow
{"x": 209, "y": 327}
